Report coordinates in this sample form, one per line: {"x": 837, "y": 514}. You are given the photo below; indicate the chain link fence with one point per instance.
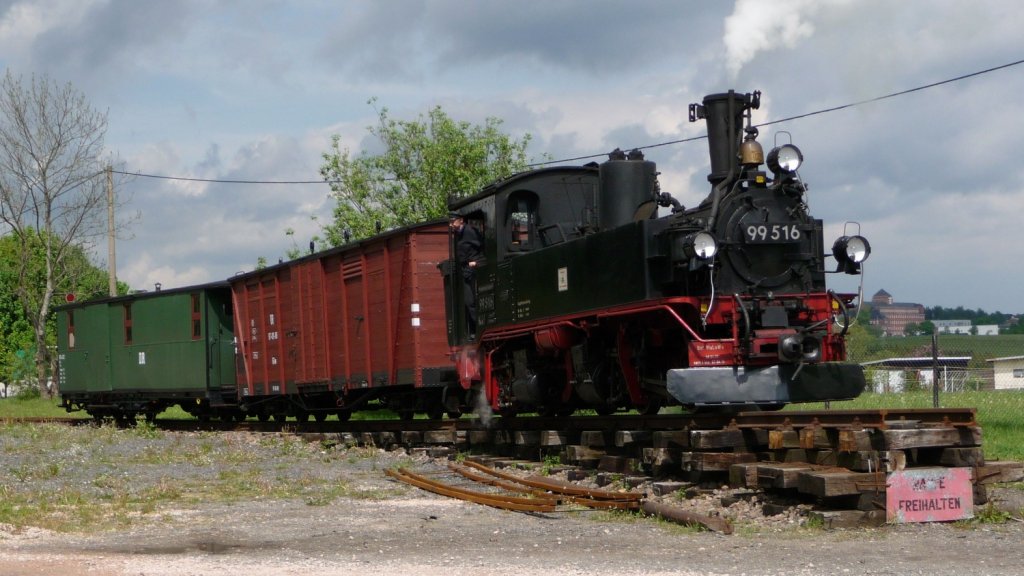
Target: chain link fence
{"x": 942, "y": 363}
{"x": 985, "y": 372}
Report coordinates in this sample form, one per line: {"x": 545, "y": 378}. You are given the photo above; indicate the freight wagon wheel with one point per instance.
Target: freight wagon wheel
{"x": 302, "y": 416}
{"x": 435, "y": 413}
{"x": 455, "y": 414}
{"x": 280, "y": 417}
{"x": 263, "y": 416}
{"x": 344, "y": 415}
{"x": 320, "y": 416}
{"x": 406, "y": 414}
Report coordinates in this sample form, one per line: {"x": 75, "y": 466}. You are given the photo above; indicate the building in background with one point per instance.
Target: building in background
{"x": 952, "y": 326}
{"x": 1008, "y": 372}
{"x": 893, "y": 317}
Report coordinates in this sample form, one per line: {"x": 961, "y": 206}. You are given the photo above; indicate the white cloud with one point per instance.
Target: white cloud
{"x": 254, "y": 92}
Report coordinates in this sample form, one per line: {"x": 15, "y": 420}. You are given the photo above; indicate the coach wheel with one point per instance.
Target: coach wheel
{"x": 344, "y": 415}
{"x": 124, "y": 420}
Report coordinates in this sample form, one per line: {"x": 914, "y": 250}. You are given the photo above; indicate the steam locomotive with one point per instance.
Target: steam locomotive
{"x": 594, "y": 290}
{"x": 587, "y": 297}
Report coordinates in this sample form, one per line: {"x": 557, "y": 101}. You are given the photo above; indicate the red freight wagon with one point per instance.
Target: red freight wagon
{"x": 336, "y": 330}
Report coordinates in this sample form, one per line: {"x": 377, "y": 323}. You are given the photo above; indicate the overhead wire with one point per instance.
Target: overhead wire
{"x": 603, "y": 154}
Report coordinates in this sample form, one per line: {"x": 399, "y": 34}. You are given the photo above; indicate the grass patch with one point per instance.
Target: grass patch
{"x": 31, "y": 408}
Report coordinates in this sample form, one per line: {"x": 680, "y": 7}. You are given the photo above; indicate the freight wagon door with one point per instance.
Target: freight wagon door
{"x": 220, "y": 340}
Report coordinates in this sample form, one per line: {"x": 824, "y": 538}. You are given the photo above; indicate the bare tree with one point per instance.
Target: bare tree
{"x": 52, "y": 188}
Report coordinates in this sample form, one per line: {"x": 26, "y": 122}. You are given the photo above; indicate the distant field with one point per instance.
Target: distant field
{"x": 979, "y": 348}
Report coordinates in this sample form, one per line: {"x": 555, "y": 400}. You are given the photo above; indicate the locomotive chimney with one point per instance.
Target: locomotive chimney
{"x": 724, "y": 114}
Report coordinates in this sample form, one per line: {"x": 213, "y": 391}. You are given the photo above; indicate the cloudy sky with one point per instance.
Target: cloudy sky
{"x": 254, "y": 90}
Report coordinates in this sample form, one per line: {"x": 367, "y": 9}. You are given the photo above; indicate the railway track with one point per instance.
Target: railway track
{"x": 837, "y": 458}
{"x": 881, "y": 419}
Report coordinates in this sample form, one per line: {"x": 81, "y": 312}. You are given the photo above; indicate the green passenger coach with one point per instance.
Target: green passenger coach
{"x": 140, "y": 354}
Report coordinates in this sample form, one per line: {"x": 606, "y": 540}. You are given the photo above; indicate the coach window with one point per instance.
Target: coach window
{"x": 71, "y": 329}
{"x": 521, "y": 221}
{"x": 127, "y": 323}
{"x": 197, "y": 324}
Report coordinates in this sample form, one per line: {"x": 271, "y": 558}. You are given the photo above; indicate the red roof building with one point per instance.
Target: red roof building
{"x": 893, "y": 317}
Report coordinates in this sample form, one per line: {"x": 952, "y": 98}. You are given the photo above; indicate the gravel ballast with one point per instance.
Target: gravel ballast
{"x": 310, "y": 508}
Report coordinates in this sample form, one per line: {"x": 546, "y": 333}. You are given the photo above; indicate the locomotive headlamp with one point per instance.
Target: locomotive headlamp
{"x": 700, "y": 245}
{"x": 850, "y": 252}
{"x": 784, "y": 159}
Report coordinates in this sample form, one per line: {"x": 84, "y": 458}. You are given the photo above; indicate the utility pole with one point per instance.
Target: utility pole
{"x": 111, "y": 254}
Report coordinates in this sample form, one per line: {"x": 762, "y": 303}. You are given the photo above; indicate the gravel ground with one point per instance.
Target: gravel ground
{"x": 376, "y": 526}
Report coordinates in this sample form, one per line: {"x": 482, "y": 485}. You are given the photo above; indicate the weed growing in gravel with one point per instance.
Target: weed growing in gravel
{"x": 814, "y": 522}
{"x": 146, "y": 429}
{"x": 989, "y": 514}
{"x": 551, "y": 461}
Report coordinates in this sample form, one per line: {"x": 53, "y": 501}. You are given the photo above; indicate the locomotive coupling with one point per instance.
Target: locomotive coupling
{"x": 799, "y": 347}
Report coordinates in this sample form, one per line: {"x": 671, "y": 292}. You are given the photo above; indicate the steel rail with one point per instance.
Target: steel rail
{"x": 561, "y": 488}
{"x": 468, "y": 473}
{"x": 495, "y": 501}
{"x": 881, "y": 418}
{"x": 554, "y": 489}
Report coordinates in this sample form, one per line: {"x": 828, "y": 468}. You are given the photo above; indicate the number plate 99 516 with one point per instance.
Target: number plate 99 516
{"x": 771, "y": 233}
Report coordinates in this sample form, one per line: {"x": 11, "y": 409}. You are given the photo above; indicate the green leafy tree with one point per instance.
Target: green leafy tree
{"x": 423, "y": 163}
{"x": 78, "y": 277}
{"x": 927, "y": 327}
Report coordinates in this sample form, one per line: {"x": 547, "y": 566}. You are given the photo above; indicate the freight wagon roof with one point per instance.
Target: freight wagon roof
{"x": 142, "y": 294}
{"x": 491, "y": 189}
{"x": 353, "y": 246}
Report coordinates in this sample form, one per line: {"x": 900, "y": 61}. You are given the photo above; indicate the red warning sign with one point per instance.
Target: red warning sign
{"x": 929, "y": 495}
